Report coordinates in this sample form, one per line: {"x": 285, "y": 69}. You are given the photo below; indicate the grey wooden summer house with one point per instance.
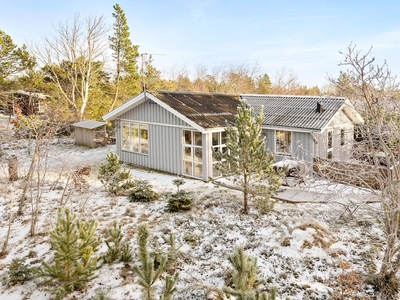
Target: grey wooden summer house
{"x": 178, "y": 132}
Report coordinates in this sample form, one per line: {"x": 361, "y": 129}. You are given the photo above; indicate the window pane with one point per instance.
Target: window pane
{"x": 187, "y": 137}
{"x": 330, "y": 139}
{"x": 283, "y": 141}
{"x": 198, "y": 170}
{"x": 187, "y": 153}
{"x": 144, "y": 139}
{"x": 198, "y": 138}
{"x": 187, "y": 168}
{"x": 223, "y": 137}
{"x": 215, "y": 172}
{"x": 342, "y": 136}
{"x": 125, "y": 137}
{"x": 198, "y": 154}
{"x": 215, "y": 149}
{"x": 215, "y": 138}
{"x": 135, "y": 137}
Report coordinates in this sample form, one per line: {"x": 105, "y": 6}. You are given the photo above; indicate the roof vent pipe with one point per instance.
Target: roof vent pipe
{"x": 320, "y": 109}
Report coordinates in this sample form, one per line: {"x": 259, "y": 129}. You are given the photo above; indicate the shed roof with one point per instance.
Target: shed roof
{"x": 300, "y": 111}
{"x": 208, "y": 110}
{"x": 88, "y": 124}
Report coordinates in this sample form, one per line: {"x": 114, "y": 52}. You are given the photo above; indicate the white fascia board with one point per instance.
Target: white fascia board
{"x": 173, "y": 111}
{"x": 216, "y": 129}
{"x": 357, "y": 120}
{"x": 290, "y": 129}
{"x": 112, "y": 115}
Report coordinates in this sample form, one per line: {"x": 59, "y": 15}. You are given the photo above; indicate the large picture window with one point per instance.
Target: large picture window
{"x": 283, "y": 141}
{"x": 135, "y": 137}
{"x": 192, "y": 153}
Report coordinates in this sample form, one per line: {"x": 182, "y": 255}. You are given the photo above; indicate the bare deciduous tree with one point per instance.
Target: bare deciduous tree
{"x": 375, "y": 89}
{"x": 73, "y": 56}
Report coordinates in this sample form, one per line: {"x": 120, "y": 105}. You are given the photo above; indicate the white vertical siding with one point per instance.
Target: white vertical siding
{"x": 165, "y": 141}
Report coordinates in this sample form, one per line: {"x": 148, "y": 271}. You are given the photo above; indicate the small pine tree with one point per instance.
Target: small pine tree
{"x": 179, "y": 201}
{"x": 245, "y": 278}
{"x": 247, "y": 161}
{"x": 75, "y": 244}
{"x": 142, "y": 191}
{"x": 170, "y": 287}
{"x": 114, "y": 243}
{"x": 146, "y": 271}
{"x": 18, "y": 271}
{"x": 117, "y": 249}
{"x": 111, "y": 174}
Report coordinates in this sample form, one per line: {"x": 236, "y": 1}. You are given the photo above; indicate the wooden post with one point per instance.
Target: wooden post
{"x": 13, "y": 168}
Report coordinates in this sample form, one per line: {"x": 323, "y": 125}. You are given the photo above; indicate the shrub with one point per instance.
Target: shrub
{"x": 179, "y": 201}
{"x": 18, "y": 271}
{"x": 111, "y": 174}
{"x": 142, "y": 191}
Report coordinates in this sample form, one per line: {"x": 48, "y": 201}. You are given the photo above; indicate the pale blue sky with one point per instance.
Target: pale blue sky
{"x": 304, "y": 36}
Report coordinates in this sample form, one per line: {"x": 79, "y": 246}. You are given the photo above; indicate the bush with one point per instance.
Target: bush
{"x": 18, "y": 271}
{"x": 142, "y": 191}
{"x": 180, "y": 201}
{"x": 112, "y": 176}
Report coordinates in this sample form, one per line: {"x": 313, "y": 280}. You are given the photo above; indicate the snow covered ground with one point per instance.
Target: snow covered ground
{"x": 298, "y": 246}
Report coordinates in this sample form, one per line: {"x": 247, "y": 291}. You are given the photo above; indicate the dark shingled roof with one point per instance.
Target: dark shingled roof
{"x": 295, "y": 111}
{"x": 208, "y": 110}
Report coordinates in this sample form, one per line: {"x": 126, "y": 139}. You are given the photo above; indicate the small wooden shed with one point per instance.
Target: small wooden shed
{"x": 90, "y": 133}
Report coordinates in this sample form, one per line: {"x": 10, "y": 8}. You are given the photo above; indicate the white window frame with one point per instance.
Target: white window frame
{"x": 218, "y": 145}
{"x": 140, "y": 146}
{"x": 192, "y": 163}
{"x": 288, "y": 146}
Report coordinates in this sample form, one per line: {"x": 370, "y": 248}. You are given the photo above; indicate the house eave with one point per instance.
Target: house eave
{"x": 141, "y": 98}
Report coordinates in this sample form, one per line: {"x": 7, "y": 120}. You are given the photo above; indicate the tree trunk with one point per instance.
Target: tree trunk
{"x": 13, "y": 168}
{"x": 28, "y": 178}
{"x": 245, "y": 195}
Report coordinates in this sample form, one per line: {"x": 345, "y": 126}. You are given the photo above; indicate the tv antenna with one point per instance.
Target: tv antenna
{"x": 146, "y": 58}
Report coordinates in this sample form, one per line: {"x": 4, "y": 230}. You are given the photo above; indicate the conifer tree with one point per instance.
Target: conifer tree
{"x": 245, "y": 278}
{"x": 125, "y": 55}
{"x": 146, "y": 271}
{"x": 75, "y": 244}
{"x": 247, "y": 161}
{"x": 117, "y": 249}
{"x": 112, "y": 175}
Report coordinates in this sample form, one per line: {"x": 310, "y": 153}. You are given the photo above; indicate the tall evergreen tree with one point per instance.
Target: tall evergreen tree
{"x": 125, "y": 54}
{"x": 75, "y": 244}
{"x": 247, "y": 163}
{"x": 13, "y": 59}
